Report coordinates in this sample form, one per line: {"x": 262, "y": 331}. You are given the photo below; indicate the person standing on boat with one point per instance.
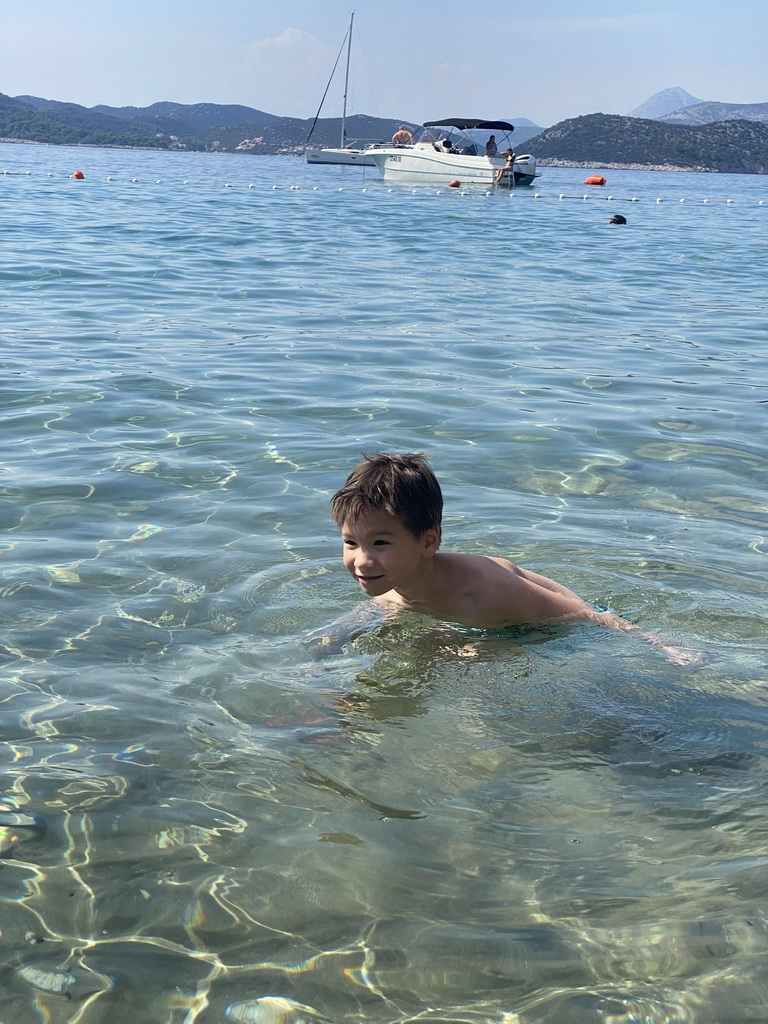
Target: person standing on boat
{"x": 402, "y": 137}
{"x": 490, "y": 146}
{"x": 507, "y": 168}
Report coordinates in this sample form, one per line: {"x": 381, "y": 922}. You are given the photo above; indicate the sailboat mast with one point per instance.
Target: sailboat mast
{"x": 346, "y": 84}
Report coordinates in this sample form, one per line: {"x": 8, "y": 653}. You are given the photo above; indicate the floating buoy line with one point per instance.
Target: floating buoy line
{"x": 453, "y": 187}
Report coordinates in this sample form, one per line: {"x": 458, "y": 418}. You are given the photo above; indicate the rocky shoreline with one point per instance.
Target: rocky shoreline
{"x": 555, "y": 162}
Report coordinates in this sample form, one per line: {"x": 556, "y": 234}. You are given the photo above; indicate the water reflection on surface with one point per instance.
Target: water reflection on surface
{"x": 201, "y": 819}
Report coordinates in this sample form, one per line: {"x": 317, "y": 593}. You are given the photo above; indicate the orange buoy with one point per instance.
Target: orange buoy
{"x": 454, "y": 184}
{"x": 79, "y": 175}
{"x": 594, "y": 179}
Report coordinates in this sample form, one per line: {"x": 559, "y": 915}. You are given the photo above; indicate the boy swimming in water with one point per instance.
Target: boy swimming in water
{"x": 390, "y": 512}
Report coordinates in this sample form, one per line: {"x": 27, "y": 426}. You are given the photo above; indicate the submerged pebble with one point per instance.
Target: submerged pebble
{"x": 16, "y": 828}
{"x": 272, "y": 1010}
{"x": 74, "y": 984}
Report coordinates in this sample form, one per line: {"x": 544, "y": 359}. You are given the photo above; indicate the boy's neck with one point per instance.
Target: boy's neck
{"x": 426, "y": 585}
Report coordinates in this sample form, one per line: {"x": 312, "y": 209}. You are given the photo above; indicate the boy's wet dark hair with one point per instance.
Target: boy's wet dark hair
{"x": 402, "y": 486}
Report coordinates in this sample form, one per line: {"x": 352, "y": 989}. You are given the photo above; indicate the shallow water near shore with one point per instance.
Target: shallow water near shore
{"x": 202, "y": 823}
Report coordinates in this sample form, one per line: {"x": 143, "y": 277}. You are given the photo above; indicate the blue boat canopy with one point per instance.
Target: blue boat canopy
{"x": 466, "y": 124}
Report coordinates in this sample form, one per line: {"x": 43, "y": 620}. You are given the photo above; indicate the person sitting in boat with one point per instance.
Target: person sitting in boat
{"x": 490, "y": 147}
{"x": 402, "y": 137}
{"x": 507, "y": 168}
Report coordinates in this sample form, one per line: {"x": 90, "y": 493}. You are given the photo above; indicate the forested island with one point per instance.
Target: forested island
{"x": 609, "y": 140}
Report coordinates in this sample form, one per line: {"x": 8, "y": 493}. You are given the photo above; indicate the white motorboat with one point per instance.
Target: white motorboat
{"x": 451, "y": 150}
{"x": 346, "y": 153}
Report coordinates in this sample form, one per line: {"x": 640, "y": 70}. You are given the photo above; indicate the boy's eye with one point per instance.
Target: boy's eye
{"x": 381, "y": 543}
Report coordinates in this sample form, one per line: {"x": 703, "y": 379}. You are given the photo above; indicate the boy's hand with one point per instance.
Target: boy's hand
{"x": 684, "y": 655}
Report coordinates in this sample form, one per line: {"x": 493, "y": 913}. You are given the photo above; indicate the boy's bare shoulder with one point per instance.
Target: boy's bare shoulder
{"x": 483, "y": 567}
{"x": 495, "y": 591}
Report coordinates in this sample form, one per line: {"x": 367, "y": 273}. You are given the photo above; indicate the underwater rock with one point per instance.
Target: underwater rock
{"x": 75, "y": 983}
{"x": 272, "y": 1010}
{"x": 16, "y": 828}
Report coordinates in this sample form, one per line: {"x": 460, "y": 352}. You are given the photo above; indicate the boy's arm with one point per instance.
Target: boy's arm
{"x": 556, "y": 603}
{"x": 330, "y": 639}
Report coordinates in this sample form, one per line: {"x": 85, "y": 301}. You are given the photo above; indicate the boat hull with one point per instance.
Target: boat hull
{"x": 426, "y": 163}
{"x": 360, "y": 157}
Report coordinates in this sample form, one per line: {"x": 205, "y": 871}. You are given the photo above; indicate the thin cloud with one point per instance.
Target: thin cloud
{"x": 288, "y": 71}
{"x": 292, "y": 48}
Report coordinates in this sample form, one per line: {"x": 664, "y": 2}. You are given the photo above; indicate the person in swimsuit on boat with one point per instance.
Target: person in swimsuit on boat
{"x": 508, "y": 167}
{"x": 491, "y": 148}
{"x": 402, "y": 137}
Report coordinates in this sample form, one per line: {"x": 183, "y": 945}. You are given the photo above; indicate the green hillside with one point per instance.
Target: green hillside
{"x": 609, "y": 139}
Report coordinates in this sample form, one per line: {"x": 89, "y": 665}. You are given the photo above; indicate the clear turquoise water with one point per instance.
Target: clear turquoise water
{"x": 560, "y": 827}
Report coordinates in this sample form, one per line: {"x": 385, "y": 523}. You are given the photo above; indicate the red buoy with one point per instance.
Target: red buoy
{"x": 79, "y": 175}
{"x": 454, "y": 184}
{"x": 594, "y": 179}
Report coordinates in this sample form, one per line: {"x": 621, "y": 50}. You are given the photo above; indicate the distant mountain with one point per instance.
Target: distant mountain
{"x": 524, "y": 130}
{"x": 68, "y": 124}
{"x": 165, "y": 125}
{"x": 196, "y": 115}
{"x": 664, "y": 102}
{"x": 609, "y": 140}
{"x": 706, "y": 113}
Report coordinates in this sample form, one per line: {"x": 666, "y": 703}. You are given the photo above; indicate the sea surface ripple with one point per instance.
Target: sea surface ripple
{"x": 201, "y": 822}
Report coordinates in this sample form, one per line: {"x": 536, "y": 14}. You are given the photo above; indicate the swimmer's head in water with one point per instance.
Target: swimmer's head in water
{"x": 617, "y": 218}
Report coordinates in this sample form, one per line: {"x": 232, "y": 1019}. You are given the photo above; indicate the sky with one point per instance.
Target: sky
{"x": 415, "y": 60}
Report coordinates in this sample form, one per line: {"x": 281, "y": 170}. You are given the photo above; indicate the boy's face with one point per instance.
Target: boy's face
{"x": 382, "y": 554}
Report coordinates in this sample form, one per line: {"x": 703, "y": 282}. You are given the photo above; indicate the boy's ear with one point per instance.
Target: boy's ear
{"x": 431, "y": 539}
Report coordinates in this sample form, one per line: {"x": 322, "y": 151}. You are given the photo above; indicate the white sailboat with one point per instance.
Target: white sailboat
{"x": 345, "y": 154}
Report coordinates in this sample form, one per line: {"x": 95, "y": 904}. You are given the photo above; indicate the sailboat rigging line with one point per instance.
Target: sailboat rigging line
{"x": 328, "y": 86}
